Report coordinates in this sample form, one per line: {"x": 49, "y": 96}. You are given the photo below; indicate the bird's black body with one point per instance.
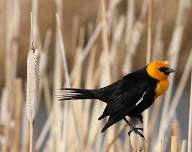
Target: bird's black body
{"x": 130, "y": 96}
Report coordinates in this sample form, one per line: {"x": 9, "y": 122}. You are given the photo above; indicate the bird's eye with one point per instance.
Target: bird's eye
{"x": 163, "y": 69}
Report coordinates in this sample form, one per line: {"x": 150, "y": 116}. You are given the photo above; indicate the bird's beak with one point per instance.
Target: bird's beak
{"x": 169, "y": 70}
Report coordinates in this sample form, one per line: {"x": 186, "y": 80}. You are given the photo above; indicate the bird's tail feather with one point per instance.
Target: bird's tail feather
{"x": 73, "y": 94}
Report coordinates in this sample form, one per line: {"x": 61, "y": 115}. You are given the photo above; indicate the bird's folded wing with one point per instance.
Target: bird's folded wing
{"x": 126, "y": 98}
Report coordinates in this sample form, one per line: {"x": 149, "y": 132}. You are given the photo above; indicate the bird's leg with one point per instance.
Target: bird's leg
{"x": 134, "y": 129}
{"x": 141, "y": 118}
{"x": 126, "y": 121}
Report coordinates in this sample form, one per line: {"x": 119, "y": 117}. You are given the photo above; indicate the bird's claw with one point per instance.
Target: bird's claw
{"x": 135, "y": 130}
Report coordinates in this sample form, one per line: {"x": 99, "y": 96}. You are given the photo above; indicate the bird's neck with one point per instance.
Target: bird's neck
{"x": 162, "y": 86}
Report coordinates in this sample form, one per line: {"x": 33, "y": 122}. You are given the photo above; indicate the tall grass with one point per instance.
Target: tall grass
{"x": 103, "y": 52}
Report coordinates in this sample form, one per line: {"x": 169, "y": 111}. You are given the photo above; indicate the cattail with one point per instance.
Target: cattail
{"x": 33, "y": 62}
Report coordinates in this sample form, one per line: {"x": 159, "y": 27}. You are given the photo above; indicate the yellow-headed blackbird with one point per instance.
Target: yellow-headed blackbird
{"x": 130, "y": 95}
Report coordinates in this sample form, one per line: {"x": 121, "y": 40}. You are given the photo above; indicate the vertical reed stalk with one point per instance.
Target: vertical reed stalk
{"x": 105, "y": 58}
{"x": 184, "y": 146}
{"x": 149, "y": 30}
{"x": 18, "y": 116}
{"x": 148, "y": 59}
{"x": 190, "y": 121}
{"x": 174, "y": 144}
{"x": 105, "y": 42}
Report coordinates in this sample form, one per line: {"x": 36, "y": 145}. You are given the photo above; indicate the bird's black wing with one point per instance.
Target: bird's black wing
{"x": 135, "y": 109}
{"x": 126, "y": 83}
{"x": 125, "y": 98}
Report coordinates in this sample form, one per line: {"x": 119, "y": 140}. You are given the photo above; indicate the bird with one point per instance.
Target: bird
{"x": 129, "y": 96}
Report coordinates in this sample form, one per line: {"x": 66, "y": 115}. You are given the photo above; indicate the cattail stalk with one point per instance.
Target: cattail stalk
{"x": 33, "y": 62}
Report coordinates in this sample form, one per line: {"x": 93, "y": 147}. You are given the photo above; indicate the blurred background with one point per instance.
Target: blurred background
{"x": 90, "y": 44}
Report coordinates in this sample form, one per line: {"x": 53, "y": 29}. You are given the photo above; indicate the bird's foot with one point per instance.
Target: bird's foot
{"x": 136, "y": 131}
{"x": 141, "y": 119}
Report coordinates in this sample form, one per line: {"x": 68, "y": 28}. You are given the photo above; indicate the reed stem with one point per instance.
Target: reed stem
{"x": 31, "y": 137}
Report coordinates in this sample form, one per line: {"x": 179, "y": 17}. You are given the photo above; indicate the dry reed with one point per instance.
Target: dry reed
{"x": 184, "y": 146}
{"x": 190, "y": 120}
{"x": 103, "y": 51}
{"x": 148, "y": 59}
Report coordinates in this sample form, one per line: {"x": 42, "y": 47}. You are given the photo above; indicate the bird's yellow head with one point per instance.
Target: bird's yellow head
{"x": 159, "y": 70}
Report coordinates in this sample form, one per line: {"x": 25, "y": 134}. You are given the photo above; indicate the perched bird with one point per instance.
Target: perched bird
{"x": 130, "y": 95}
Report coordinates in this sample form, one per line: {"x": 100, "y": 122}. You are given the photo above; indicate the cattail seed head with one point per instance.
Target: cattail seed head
{"x": 33, "y": 63}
